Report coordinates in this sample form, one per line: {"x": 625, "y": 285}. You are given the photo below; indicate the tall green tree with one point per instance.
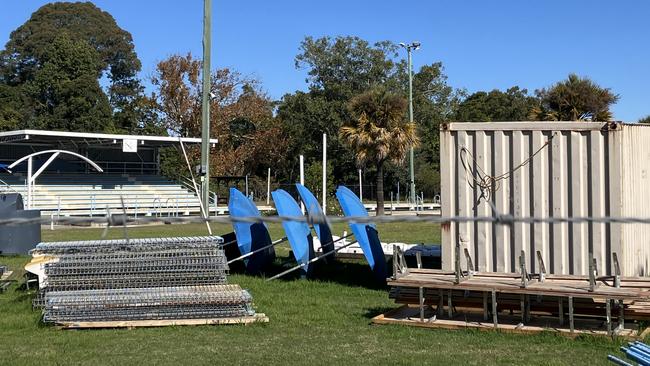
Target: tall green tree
{"x": 514, "y": 104}
{"x": 342, "y": 67}
{"x": 11, "y": 107}
{"x": 378, "y": 132}
{"x": 574, "y": 99}
{"x": 339, "y": 69}
{"x": 28, "y": 49}
{"x": 64, "y": 93}
{"x": 645, "y": 119}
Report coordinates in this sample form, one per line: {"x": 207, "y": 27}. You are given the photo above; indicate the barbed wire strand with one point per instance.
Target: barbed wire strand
{"x": 110, "y": 220}
{"x": 503, "y": 219}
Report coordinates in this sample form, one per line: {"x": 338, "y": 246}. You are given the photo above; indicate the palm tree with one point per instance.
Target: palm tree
{"x": 378, "y": 132}
{"x": 574, "y": 99}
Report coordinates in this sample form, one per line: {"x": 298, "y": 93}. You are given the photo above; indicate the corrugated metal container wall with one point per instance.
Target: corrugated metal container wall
{"x": 558, "y": 169}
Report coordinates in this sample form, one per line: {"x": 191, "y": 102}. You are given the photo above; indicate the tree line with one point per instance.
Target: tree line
{"x": 71, "y": 67}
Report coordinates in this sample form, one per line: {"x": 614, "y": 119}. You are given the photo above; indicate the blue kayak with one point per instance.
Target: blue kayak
{"x": 250, "y": 236}
{"x": 323, "y": 229}
{"x": 365, "y": 234}
{"x": 298, "y": 232}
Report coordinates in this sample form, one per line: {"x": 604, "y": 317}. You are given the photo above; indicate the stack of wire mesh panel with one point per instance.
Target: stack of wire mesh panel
{"x": 138, "y": 279}
{"x": 152, "y": 303}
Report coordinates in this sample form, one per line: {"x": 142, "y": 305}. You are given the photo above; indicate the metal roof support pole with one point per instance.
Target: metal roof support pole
{"x": 205, "y": 107}
{"x": 29, "y": 183}
{"x": 44, "y": 166}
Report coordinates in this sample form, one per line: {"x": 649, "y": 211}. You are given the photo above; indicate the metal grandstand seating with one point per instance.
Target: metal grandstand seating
{"x": 92, "y": 194}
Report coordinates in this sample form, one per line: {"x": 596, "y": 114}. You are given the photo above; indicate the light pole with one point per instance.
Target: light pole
{"x": 205, "y": 108}
{"x": 409, "y": 48}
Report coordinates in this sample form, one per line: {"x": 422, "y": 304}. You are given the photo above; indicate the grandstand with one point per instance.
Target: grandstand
{"x": 68, "y": 187}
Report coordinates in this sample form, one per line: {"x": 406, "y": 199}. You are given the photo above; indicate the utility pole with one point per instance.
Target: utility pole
{"x": 205, "y": 110}
{"x": 409, "y": 48}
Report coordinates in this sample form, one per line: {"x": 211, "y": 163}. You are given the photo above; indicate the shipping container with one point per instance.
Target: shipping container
{"x": 547, "y": 169}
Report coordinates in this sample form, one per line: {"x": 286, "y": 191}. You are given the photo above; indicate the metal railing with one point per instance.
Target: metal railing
{"x": 419, "y": 202}
{"x": 93, "y": 204}
{"x": 156, "y": 206}
{"x": 128, "y": 167}
{"x": 175, "y": 205}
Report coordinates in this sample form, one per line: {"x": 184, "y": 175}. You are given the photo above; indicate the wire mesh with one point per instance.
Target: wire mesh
{"x": 139, "y": 279}
{"x": 131, "y": 245}
{"x": 182, "y": 302}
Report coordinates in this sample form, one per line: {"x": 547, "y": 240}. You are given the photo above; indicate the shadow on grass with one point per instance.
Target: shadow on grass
{"x": 23, "y": 296}
{"x": 373, "y": 312}
{"x": 348, "y": 272}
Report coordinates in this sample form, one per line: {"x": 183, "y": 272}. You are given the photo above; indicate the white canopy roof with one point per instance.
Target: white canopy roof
{"x": 40, "y": 136}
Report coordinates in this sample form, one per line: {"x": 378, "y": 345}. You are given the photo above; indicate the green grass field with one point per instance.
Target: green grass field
{"x": 317, "y": 322}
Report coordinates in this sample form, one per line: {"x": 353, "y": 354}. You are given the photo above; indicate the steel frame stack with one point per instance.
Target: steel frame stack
{"x": 490, "y": 296}
{"x": 138, "y": 280}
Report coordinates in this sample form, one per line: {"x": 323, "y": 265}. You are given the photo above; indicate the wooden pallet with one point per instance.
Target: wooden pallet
{"x": 257, "y": 318}
{"x": 409, "y": 315}
{"x": 560, "y": 286}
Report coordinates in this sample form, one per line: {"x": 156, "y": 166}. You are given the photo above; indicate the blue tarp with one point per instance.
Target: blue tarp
{"x": 365, "y": 234}
{"x": 298, "y": 233}
{"x": 313, "y": 209}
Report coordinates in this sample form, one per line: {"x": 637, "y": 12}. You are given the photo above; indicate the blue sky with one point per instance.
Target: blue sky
{"x": 482, "y": 44}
